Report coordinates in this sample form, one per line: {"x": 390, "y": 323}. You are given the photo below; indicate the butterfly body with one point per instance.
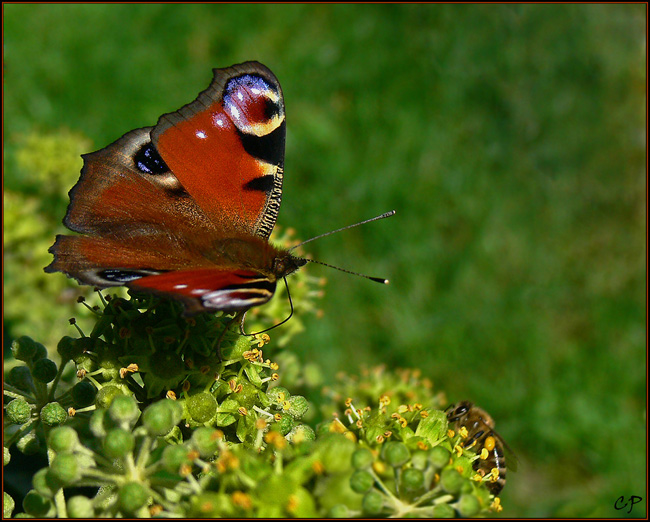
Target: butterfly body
{"x": 184, "y": 209}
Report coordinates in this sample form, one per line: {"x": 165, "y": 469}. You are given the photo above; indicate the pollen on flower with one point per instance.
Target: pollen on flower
{"x": 489, "y": 444}
{"x": 463, "y": 432}
{"x": 275, "y": 439}
{"x": 496, "y": 505}
{"x": 155, "y": 509}
{"x": 275, "y": 376}
{"x": 262, "y": 339}
{"x": 384, "y": 401}
{"x": 71, "y": 412}
{"x": 337, "y": 426}
{"x": 348, "y": 402}
{"x": 241, "y": 499}
{"x": 424, "y": 414}
{"x": 484, "y": 454}
{"x": 458, "y": 449}
{"x": 494, "y": 474}
{"x": 451, "y": 434}
{"x": 242, "y": 411}
{"x": 260, "y": 424}
{"x": 293, "y": 503}
{"x": 422, "y": 445}
{"x": 318, "y": 467}
{"x": 253, "y": 355}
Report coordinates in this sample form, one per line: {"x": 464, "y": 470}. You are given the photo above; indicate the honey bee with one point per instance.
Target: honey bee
{"x": 480, "y": 429}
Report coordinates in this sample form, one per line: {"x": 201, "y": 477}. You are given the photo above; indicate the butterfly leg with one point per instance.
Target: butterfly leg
{"x": 241, "y": 323}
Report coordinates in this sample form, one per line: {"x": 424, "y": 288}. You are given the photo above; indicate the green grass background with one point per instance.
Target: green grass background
{"x": 509, "y": 138}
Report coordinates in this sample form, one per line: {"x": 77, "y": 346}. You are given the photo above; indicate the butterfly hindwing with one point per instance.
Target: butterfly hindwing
{"x": 210, "y": 289}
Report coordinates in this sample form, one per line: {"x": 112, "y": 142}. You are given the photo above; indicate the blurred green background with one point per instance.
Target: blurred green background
{"x": 509, "y": 138}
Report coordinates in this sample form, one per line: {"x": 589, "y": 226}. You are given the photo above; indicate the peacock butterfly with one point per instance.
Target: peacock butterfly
{"x": 185, "y": 209}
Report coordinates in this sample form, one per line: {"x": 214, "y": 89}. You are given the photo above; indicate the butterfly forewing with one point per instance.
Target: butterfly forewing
{"x": 185, "y": 208}
{"x": 234, "y": 133}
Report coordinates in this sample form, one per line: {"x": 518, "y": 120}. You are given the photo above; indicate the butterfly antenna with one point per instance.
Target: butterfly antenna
{"x": 375, "y": 279}
{"x": 280, "y": 323}
{"x": 385, "y": 215}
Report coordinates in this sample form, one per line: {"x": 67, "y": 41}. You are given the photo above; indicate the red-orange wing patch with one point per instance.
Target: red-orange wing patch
{"x": 226, "y": 149}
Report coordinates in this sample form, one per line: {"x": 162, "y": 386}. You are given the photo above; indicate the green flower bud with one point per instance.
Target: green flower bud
{"x": 301, "y": 433}
{"x": 37, "y": 505}
{"x": 160, "y": 417}
{"x": 298, "y": 406}
{"x": 372, "y": 503}
{"x": 80, "y": 507}
{"x": 41, "y": 352}
{"x": 132, "y": 496}
{"x": 202, "y": 407}
{"x": 85, "y": 362}
{"x": 361, "y": 481}
{"x": 395, "y": 453}
{"x": 64, "y": 469}
{"x": 118, "y": 443}
{"x": 412, "y": 479}
{"x": 7, "y": 455}
{"x": 468, "y": 506}
{"x": 420, "y": 460}
{"x": 83, "y": 394}
{"x": 362, "y": 458}
{"x": 124, "y": 409}
{"x": 451, "y": 481}
{"x": 439, "y": 457}
{"x": 41, "y": 483}
{"x": 339, "y": 511}
{"x": 107, "y": 395}
{"x": 286, "y": 424}
{"x": 29, "y": 444}
{"x": 23, "y": 348}
{"x": 8, "y": 505}
{"x": 63, "y": 439}
{"x": 44, "y": 370}
{"x": 206, "y": 441}
{"x": 443, "y": 511}
{"x": 21, "y": 378}
{"x": 278, "y": 395}
{"x": 53, "y": 414}
{"x": 19, "y": 411}
{"x": 97, "y": 423}
{"x": 69, "y": 348}
{"x": 174, "y": 457}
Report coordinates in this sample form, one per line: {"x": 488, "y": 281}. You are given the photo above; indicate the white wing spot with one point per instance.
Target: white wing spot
{"x": 201, "y": 134}
{"x": 180, "y": 287}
